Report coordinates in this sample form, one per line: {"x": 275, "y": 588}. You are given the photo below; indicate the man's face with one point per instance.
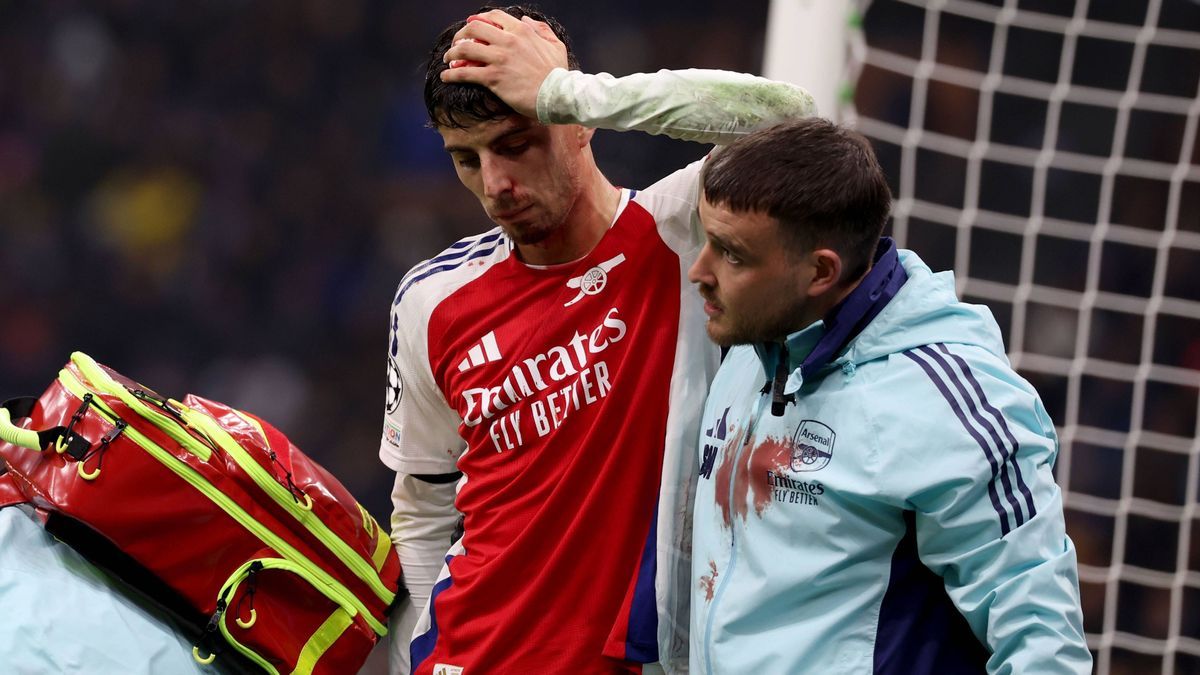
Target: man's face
{"x": 754, "y": 286}
{"x": 526, "y": 175}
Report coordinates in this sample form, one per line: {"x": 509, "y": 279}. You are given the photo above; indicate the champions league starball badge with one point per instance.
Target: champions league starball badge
{"x": 395, "y": 386}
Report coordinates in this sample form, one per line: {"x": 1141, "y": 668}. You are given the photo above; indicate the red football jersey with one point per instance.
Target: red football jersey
{"x": 569, "y": 398}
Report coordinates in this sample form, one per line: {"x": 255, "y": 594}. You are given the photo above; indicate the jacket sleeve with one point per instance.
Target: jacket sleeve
{"x": 989, "y": 516}
{"x": 706, "y": 106}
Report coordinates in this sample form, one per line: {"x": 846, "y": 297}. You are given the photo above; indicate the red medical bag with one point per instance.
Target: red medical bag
{"x": 208, "y": 510}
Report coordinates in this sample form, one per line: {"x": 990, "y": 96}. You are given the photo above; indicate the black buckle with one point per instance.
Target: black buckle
{"x": 72, "y": 443}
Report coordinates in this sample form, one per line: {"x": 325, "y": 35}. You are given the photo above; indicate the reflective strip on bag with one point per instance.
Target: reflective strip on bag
{"x": 319, "y": 643}
{"x": 383, "y": 545}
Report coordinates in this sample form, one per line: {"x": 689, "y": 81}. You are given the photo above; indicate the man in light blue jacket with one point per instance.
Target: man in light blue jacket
{"x": 875, "y": 492}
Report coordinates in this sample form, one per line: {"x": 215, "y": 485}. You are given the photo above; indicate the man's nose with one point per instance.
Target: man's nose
{"x": 701, "y": 272}
{"x": 496, "y": 179}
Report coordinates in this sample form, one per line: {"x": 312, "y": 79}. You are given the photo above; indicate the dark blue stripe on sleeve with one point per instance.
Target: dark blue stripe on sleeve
{"x": 941, "y": 386}
{"x": 455, "y": 250}
{"x": 1002, "y": 450}
{"x": 996, "y": 414}
{"x": 422, "y": 645}
{"x": 444, "y": 268}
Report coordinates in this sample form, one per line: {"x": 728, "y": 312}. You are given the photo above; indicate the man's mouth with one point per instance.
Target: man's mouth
{"x": 711, "y": 308}
{"x": 511, "y": 213}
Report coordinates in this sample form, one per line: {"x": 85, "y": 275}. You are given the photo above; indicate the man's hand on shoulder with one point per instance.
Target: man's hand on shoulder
{"x": 509, "y": 56}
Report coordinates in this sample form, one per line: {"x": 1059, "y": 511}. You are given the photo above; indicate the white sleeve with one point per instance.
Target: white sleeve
{"x": 707, "y": 106}
{"x": 423, "y": 520}
{"x": 420, "y": 437}
{"x": 673, "y": 201}
{"x": 420, "y": 429}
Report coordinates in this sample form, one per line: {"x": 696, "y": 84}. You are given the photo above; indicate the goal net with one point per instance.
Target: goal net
{"x": 1047, "y": 152}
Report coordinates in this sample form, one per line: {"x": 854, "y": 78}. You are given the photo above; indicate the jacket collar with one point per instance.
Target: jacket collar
{"x": 810, "y": 349}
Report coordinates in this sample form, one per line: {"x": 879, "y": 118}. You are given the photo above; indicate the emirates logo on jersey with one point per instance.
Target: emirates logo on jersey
{"x": 560, "y": 380}
{"x": 594, "y": 280}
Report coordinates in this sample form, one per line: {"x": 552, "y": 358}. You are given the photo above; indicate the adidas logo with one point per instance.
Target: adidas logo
{"x": 485, "y": 352}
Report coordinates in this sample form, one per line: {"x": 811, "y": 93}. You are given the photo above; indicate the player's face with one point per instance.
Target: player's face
{"x": 526, "y": 175}
{"x": 754, "y": 288}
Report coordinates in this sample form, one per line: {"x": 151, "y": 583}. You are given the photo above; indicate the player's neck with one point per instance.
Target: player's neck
{"x": 586, "y": 223}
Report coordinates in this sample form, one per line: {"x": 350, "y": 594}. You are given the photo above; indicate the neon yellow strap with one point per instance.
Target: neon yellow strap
{"x": 254, "y": 423}
{"x": 319, "y": 643}
{"x": 100, "y": 381}
{"x": 383, "y": 544}
{"x": 368, "y": 522}
{"x": 16, "y": 435}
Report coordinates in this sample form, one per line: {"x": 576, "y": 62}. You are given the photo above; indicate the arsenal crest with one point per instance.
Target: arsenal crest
{"x": 812, "y": 446}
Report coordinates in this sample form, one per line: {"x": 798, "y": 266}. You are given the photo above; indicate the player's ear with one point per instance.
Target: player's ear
{"x": 826, "y": 271}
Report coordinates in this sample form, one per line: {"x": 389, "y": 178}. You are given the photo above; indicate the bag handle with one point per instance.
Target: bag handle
{"x": 26, "y": 438}
{"x": 62, "y": 438}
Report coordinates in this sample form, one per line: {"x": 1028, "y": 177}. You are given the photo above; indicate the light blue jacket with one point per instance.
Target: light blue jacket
{"x": 898, "y": 514}
{"x": 61, "y": 615}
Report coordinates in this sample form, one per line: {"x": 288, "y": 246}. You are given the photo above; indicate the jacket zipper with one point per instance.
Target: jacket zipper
{"x": 196, "y": 480}
{"x": 747, "y": 435}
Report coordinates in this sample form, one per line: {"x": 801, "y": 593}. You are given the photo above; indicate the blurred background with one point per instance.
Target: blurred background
{"x": 220, "y": 197}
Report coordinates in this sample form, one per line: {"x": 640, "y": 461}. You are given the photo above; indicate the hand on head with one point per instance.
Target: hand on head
{"x": 509, "y": 56}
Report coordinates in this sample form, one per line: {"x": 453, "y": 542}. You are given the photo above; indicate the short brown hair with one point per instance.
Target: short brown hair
{"x": 819, "y": 181}
{"x": 458, "y": 105}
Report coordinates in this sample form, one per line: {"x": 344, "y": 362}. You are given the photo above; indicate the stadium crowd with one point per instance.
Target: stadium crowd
{"x": 222, "y": 197}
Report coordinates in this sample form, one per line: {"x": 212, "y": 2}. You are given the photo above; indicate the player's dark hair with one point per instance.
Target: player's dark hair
{"x": 458, "y": 105}
{"x": 819, "y": 181}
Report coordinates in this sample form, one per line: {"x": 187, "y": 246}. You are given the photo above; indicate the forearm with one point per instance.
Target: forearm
{"x": 1035, "y": 624}
{"x": 423, "y": 520}
{"x": 1020, "y": 592}
{"x": 706, "y": 106}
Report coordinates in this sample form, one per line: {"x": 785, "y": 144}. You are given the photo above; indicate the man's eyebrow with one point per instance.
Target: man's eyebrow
{"x": 726, "y": 243}
{"x": 498, "y": 139}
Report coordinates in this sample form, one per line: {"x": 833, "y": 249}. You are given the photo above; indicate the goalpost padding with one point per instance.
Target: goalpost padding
{"x": 1047, "y": 151}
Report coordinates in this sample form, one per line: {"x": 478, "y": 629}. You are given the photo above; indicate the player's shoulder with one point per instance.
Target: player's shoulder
{"x": 961, "y": 391}
{"x": 681, "y": 187}
{"x": 671, "y": 203}
{"x": 962, "y": 366}
{"x": 460, "y": 263}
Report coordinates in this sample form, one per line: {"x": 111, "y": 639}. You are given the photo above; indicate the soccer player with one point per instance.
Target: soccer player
{"x": 875, "y": 490}
{"x": 547, "y": 376}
